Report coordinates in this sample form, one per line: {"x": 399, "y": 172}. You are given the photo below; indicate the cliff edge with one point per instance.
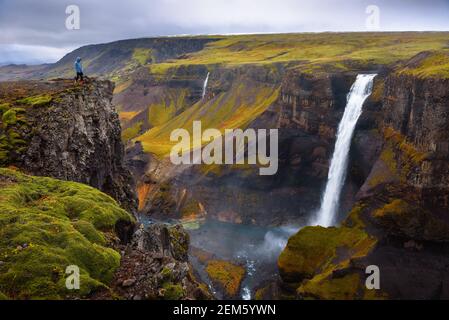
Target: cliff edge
{"x": 65, "y": 131}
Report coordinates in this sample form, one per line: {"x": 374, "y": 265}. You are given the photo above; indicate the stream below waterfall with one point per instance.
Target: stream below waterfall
{"x": 255, "y": 248}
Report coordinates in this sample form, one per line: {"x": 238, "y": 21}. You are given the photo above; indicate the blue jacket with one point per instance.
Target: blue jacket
{"x": 78, "y": 66}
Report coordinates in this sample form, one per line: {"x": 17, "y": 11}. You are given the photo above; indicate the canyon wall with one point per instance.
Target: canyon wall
{"x": 399, "y": 222}
{"x": 306, "y": 110}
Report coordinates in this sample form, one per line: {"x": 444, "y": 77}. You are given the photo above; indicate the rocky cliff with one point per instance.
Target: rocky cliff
{"x": 67, "y": 132}
{"x": 62, "y": 131}
{"x": 400, "y": 221}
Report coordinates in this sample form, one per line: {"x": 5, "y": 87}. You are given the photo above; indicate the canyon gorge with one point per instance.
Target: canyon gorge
{"x": 93, "y": 163}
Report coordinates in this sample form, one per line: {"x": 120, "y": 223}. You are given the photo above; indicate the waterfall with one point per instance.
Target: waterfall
{"x": 360, "y": 90}
{"x": 205, "y": 86}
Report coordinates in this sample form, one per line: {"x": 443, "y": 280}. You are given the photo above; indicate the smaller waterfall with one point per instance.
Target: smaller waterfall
{"x": 205, "y": 86}
{"x": 361, "y": 89}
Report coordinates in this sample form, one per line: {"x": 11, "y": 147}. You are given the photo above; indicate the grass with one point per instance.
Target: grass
{"x": 47, "y": 225}
{"x": 311, "y": 51}
{"x": 131, "y": 132}
{"x": 235, "y": 108}
{"x": 435, "y": 65}
{"x": 143, "y": 55}
{"x": 169, "y": 105}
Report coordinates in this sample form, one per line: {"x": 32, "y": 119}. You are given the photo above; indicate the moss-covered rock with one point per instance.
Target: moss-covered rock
{"x": 47, "y": 225}
{"x": 12, "y": 125}
{"x": 173, "y": 291}
{"x": 313, "y": 249}
{"x": 344, "y": 288}
{"x": 226, "y": 275}
{"x": 401, "y": 218}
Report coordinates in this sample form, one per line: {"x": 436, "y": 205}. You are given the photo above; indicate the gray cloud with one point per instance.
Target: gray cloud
{"x": 34, "y": 31}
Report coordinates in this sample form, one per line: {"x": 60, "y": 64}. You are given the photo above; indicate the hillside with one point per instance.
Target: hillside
{"x": 157, "y": 79}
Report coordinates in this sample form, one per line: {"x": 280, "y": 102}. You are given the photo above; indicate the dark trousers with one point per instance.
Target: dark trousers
{"x": 79, "y": 75}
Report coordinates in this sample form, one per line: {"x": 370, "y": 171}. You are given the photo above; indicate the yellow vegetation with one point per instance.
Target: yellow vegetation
{"x": 226, "y": 275}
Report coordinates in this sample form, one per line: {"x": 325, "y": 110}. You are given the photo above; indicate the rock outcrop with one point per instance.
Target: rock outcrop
{"x": 155, "y": 266}
{"x": 66, "y": 131}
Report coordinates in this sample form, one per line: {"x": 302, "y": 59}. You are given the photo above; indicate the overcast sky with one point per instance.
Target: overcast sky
{"x": 35, "y": 31}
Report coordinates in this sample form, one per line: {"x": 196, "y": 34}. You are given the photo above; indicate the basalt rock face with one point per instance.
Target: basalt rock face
{"x": 419, "y": 112}
{"x": 70, "y": 133}
{"x": 400, "y": 222}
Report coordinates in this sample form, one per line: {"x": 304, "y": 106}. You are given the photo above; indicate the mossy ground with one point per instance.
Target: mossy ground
{"x": 47, "y": 225}
{"x": 39, "y": 100}
{"x": 435, "y": 65}
{"x": 132, "y": 132}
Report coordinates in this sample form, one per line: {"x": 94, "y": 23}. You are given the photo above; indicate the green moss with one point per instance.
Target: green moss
{"x": 4, "y": 107}
{"x": 345, "y": 288}
{"x": 396, "y": 208}
{"x": 226, "y": 275}
{"x": 354, "y": 219}
{"x": 400, "y": 156}
{"x": 47, "y": 225}
{"x": 36, "y": 101}
{"x": 173, "y": 291}
{"x": 9, "y": 118}
{"x": 235, "y": 108}
{"x": 143, "y": 55}
{"x": 313, "y": 249}
{"x": 12, "y": 143}
{"x": 435, "y": 65}
{"x": 87, "y": 229}
{"x": 167, "y": 274}
{"x": 132, "y": 132}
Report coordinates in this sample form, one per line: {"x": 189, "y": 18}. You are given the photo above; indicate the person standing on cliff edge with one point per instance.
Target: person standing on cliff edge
{"x": 79, "y": 70}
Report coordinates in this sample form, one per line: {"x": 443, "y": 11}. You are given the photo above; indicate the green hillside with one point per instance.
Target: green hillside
{"x": 311, "y": 52}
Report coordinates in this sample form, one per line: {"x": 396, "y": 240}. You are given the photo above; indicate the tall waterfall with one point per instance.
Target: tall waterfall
{"x": 360, "y": 90}
{"x": 205, "y": 86}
